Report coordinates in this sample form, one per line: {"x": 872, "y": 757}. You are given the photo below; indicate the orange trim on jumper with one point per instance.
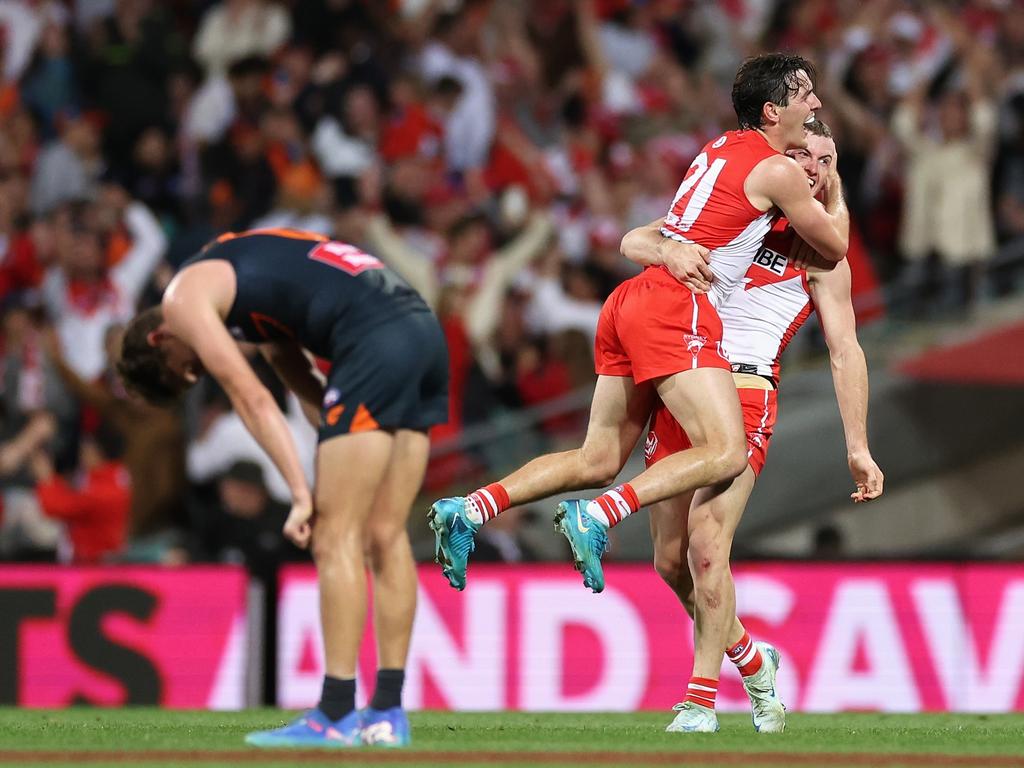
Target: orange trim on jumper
{"x": 261, "y": 322}
{"x": 363, "y": 421}
{"x": 334, "y": 415}
{"x": 294, "y": 234}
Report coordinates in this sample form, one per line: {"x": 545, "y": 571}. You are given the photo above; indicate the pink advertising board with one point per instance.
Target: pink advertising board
{"x": 898, "y": 638}
{"x": 123, "y": 635}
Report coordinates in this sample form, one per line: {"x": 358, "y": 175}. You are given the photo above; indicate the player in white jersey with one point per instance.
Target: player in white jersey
{"x": 758, "y": 323}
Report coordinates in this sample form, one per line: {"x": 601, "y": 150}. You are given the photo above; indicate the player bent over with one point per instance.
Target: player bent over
{"x": 296, "y": 293}
{"x": 698, "y": 527}
{"x": 657, "y": 339}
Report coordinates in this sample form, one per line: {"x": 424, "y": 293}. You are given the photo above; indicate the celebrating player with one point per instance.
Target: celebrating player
{"x": 693, "y": 533}
{"x": 295, "y": 293}
{"x": 657, "y": 338}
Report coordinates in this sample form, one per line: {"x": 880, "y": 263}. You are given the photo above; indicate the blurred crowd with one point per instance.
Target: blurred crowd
{"x": 493, "y": 152}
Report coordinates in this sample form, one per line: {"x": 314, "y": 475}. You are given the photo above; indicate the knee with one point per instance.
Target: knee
{"x": 381, "y": 542}
{"x": 334, "y": 541}
{"x": 325, "y": 548}
{"x": 730, "y": 460}
{"x": 601, "y": 465}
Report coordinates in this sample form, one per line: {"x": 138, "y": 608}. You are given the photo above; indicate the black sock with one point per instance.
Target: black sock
{"x": 338, "y": 697}
{"x": 389, "y": 689}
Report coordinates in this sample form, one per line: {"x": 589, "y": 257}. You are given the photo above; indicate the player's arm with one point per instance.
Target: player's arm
{"x": 779, "y": 181}
{"x": 297, "y": 371}
{"x": 191, "y": 315}
{"x": 688, "y": 262}
{"x": 831, "y": 292}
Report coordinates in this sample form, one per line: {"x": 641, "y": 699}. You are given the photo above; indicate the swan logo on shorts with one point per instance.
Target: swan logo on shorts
{"x": 694, "y": 343}
{"x": 331, "y": 396}
{"x": 650, "y": 445}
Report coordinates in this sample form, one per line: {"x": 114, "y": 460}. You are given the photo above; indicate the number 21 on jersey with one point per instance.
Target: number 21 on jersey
{"x": 700, "y": 180}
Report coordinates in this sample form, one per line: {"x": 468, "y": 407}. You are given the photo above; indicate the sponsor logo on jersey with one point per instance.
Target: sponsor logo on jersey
{"x": 694, "y": 343}
{"x": 719, "y": 142}
{"x": 331, "y": 396}
{"x": 771, "y": 260}
{"x": 650, "y": 445}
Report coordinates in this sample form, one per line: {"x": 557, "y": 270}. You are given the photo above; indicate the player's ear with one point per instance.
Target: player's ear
{"x": 770, "y": 112}
{"x": 154, "y": 337}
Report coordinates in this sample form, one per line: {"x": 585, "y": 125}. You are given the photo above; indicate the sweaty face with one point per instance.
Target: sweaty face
{"x": 816, "y": 160}
{"x": 799, "y": 110}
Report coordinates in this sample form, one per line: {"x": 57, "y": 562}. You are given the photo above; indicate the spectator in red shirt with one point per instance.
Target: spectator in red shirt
{"x": 95, "y": 509}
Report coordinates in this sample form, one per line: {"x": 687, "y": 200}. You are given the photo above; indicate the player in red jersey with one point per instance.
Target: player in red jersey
{"x": 658, "y": 339}
{"x": 759, "y": 322}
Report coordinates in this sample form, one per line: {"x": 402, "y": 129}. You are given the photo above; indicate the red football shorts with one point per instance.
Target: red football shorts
{"x": 760, "y": 409}
{"x": 652, "y": 326}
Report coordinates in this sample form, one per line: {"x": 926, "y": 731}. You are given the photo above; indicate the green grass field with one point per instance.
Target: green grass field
{"x": 147, "y": 737}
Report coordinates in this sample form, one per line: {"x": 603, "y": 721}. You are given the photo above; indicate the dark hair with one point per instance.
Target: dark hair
{"x": 818, "y": 128}
{"x": 768, "y": 78}
{"x": 448, "y": 86}
{"x": 143, "y": 367}
{"x": 248, "y": 67}
{"x": 466, "y": 223}
{"x": 245, "y": 471}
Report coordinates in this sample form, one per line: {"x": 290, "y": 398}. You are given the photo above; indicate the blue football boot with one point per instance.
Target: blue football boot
{"x": 312, "y": 729}
{"x": 386, "y": 727}
{"x": 453, "y": 538}
{"x": 588, "y": 539}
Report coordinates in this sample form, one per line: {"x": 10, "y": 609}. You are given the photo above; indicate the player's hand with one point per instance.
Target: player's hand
{"x": 802, "y": 256}
{"x": 866, "y": 475}
{"x": 298, "y": 528}
{"x": 800, "y": 253}
{"x": 688, "y": 263}
{"x": 833, "y": 185}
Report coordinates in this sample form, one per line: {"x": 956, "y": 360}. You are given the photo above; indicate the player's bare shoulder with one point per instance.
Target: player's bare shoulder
{"x": 210, "y": 282}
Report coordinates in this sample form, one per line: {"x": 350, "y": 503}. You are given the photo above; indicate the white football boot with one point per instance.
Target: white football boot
{"x": 693, "y": 718}
{"x": 768, "y": 711}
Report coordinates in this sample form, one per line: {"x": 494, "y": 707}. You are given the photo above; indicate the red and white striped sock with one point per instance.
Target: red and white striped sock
{"x": 702, "y": 691}
{"x": 614, "y": 506}
{"x": 486, "y": 503}
{"x": 746, "y": 656}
